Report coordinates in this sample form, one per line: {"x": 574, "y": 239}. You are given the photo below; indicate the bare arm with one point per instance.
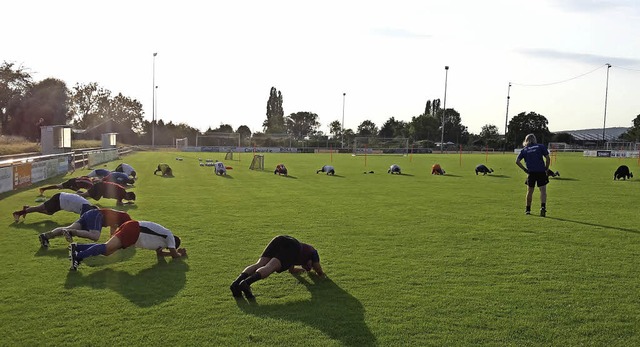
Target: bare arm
{"x": 519, "y": 163}
{"x": 318, "y": 269}
{"x": 172, "y": 252}
{"x": 547, "y": 162}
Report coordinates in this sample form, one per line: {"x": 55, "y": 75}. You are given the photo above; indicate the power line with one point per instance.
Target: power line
{"x": 558, "y": 82}
{"x": 626, "y": 68}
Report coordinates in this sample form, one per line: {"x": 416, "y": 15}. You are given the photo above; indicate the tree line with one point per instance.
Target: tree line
{"x": 25, "y": 105}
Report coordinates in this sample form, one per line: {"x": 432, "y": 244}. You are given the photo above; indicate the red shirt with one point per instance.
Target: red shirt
{"x": 113, "y": 218}
{"x": 108, "y": 190}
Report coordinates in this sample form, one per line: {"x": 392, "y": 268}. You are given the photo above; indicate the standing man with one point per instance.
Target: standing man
{"x": 536, "y": 156}
{"x": 281, "y": 254}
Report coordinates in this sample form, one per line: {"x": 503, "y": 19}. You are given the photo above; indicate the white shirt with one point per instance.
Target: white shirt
{"x": 220, "y": 168}
{"x": 72, "y": 202}
{"x": 128, "y": 169}
{"x": 394, "y": 168}
{"x": 154, "y": 236}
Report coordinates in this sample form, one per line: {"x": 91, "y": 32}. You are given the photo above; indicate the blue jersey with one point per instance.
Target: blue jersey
{"x": 534, "y": 157}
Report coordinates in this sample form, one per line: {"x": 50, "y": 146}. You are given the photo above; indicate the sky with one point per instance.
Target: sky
{"x": 217, "y": 60}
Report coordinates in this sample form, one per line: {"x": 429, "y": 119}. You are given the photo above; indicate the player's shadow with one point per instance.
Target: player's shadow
{"x": 126, "y": 207}
{"x": 405, "y": 174}
{"x": 448, "y": 175}
{"x": 635, "y": 231}
{"x": 331, "y": 310}
{"x": 292, "y": 177}
{"x": 338, "y": 176}
{"x": 498, "y": 176}
{"x": 38, "y": 227}
{"x": 564, "y": 179}
{"x": 146, "y": 288}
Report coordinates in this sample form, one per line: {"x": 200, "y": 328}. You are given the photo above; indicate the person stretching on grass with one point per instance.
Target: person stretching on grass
{"x": 394, "y": 169}
{"x": 99, "y": 173}
{"x": 219, "y": 168}
{"x": 127, "y": 169}
{"x": 536, "y": 156}
{"x": 280, "y": 170}
{"x": 164, "y": 170}
{"x": 75, "y": 184}
{"x": 58, "y": 202}
{"x": 328, "y": 169}
{"x": 147, "y": 235}
{"x": 483, "y": 169}
{"x": 120, "y": 178}
{"x": 89, "y": 226}
{"x": 281, "y": 254}
{"x": 109, "y": 190}
{"x": 436, "y": 169}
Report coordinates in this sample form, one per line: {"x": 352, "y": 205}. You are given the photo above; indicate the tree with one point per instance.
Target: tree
{"x": 88, "y": 104}
{"x": 562, "y": 137}
{"x": 274, "y": 123}
{"x": 489, "y": 136}
{"x": 454, "y": 131}
{"x": 335, "y": 129}
{"x": 223, "y": 128}
{"x": 245, "y": 133}
{"x": 14, "y": 84}
{"x": 126, "y": 111}
{"x": 44, "y": 104}
{"x": 367, "y": 128}
{"x": 424, "y": 127}
{"x": 528, "y": 123}
{"x": 393, "y": 128}
{"x": 633, "y": 134}
{"x": 302, "y": 124}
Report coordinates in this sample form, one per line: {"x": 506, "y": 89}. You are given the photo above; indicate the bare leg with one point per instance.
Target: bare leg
{"x": 543, "y": 195}
{"x": 272, "y": 266}
{"x": 251, "y": 269}
{"x": 55, "y": 186}
{"x": 530, "y": 195}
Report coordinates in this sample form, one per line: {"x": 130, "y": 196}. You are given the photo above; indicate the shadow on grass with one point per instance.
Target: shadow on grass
{"x": 38, "y": 227}
{"x": 53, "y": 251}
{"x": 147, "y": 288}
{"x": 126, "y": 207}
{"x": 331, "y": 310}
{"x": 563, "y": 179}
{"x": 497, "y": 176}
{"x": 596, "y": 225}
{"x": 448, "y": 175}
{"x": 292, "y": 177}
{"x": 405, "y": 174}
{"x": 226, "y": 176}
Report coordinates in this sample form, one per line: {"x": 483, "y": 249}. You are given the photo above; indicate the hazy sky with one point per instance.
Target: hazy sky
{"x": 217, "y": 60}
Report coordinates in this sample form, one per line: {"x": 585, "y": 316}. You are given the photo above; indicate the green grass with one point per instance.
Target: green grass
{"x": 412, "y": 260}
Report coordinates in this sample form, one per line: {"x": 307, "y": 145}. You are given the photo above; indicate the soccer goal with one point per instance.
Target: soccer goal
{"x": 381, "y": 146}
{"x": 182, "y": 143}
{"x": 257, "y": 163}
{"x": 228, "y": 156}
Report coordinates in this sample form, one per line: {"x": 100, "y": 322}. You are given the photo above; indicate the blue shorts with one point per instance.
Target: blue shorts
{"x": 91, "y": 220}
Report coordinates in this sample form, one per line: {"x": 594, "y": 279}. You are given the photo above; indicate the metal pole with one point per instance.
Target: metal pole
{"x": 506, "y": 117}
{"x": 153, "y": 114}
{"x": 342, "y": 131}
{"x": 606, "y": 94}
{"x": 444, "y": 107}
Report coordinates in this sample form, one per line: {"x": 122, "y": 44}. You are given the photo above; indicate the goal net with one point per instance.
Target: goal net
{"x": 228, "y": 156}
{"x": 182, "y": 143}
{"x": 218, "y": 139}
{"x": 381, "y": 146}
{"x": 273, "y": 140}
{"x": 257, "y": 163}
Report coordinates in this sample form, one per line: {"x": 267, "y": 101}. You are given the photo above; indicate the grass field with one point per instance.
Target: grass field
{"x": 412, "y": 260}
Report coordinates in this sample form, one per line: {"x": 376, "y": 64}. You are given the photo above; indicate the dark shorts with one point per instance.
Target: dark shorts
{"x": 91, "y": 220}
{"x": 284, "y": 248}
{"x": 69, "y": 184}
{"x": 537, "y": 178}
{"x": 53, "y": 205}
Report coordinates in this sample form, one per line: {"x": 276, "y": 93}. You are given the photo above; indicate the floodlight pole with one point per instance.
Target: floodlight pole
{"x": 342, "y": 131}
{"x": 606, "y": 95}
{"x": 506, "y": 118}
{"x": 444, "y": 107}
{"x": 153, "y": 114}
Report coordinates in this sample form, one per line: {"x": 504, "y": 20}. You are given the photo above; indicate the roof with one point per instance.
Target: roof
{"x": 596, "y": 134}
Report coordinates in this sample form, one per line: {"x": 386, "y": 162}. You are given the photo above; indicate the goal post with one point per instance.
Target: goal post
{"x": 228, "y": 156}
{"x": 182, "y": 143}
{"x": 381, "y": 146}
{"x": 257, "y": 163}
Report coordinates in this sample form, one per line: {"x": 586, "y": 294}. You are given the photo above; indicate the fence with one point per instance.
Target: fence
{"x": 18, "y": 171}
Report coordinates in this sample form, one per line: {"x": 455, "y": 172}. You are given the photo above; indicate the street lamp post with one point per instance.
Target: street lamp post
{"x": 506, "y": 118}
{"x": 444, "y": 107}
{"x": 342, "y": 131}
{"x": 153, "y": 114}
{"x": 606, "y": 94}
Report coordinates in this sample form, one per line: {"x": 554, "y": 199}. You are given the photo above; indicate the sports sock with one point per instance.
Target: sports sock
{"x": 240, "y": 278}
{"x": 84, "y": 246}
{"x": 253, "y": 278}
{"x": 543, "y": 206}
{"x": 96, "y": 249}
{"x": 528, "y": 208}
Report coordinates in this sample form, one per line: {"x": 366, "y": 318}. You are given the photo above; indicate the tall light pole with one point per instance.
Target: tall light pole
{"x": 153, "y": 114}
{"x": 506, "y": 118}
{"x": 342, "y": 131}
{"x": 444, "y": 107}
{"x": 606, "y": 94}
